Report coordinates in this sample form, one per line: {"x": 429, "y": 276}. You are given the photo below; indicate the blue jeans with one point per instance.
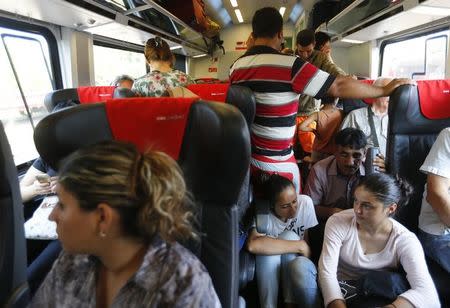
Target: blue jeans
{"x": 298, "y": 278}
{"x": 38, "y": 270}
{"x": 436, "y": 247}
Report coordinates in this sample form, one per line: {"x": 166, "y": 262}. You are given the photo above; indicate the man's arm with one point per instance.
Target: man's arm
{"x": 438, "y": 196}
{"x": 346, "y": 87}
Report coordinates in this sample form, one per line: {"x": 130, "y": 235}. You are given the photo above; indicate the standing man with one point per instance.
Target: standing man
{"x": 306, "y": 44}
{"x": 276, "y": 81}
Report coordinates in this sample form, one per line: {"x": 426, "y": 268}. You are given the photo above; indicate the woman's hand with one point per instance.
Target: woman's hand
{"x": 303, "y": 248}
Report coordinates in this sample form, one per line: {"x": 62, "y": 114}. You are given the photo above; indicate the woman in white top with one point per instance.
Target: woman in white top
{"x": 366, "y": 248}
{"x": 283, "y": 250}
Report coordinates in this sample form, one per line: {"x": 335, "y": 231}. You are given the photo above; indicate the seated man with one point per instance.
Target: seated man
{"x": 331, "y": 181}
{"x": 434, "y": 219}
{"x": 123, "y": 81}
{"x": 361, "y": 119}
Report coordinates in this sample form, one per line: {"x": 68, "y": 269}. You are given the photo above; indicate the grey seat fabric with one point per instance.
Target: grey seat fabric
{"x": 13, "y": 258}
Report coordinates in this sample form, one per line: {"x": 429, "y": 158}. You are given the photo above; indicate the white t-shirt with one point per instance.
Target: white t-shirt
{"x": 305, "y": 219}
{"x": 437, "y": 163}
{"x": 343, "y": 258}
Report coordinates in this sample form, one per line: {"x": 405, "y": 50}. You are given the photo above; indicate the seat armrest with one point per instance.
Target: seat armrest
{"x": 262, "y": 209}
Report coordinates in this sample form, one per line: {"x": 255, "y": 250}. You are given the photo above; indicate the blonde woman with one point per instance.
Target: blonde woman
{"x": 119, "y": 215}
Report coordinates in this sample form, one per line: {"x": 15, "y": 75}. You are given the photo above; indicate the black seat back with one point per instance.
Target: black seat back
{"x": 13, "y": 258}
{"x": 410, "y": 137}
{"x": 214, "y": 154}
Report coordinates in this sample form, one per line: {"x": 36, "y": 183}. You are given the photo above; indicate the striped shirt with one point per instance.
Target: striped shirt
{"x": 276, "y": 81}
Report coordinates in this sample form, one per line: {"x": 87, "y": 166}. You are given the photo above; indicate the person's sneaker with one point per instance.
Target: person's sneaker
{"x": 349, "y": 292}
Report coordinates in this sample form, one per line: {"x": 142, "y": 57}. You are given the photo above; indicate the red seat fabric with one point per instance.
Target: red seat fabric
{"x": 434, "y": 98}
{"x": 164, "y": 134}
{"x": 88, "y": 95}
{"x": 368, "y": 100}
{"x": 213, "y": 92}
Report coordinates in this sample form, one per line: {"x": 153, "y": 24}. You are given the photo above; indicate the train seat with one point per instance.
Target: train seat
{"x": 85, "y": 95}
{"x": 13, "y": 258}
{"x": 416, "y": 116}
{"x": 350, "y": 104}
{"x": 209, "y": 140}
{"x": 210, "y": 91}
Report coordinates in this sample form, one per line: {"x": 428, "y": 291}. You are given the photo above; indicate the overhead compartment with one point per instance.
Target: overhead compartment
{"x": 364, "y": 20}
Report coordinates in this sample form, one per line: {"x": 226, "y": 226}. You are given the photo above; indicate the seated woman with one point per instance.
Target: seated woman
{"x": 162, "y": 76}
{"x": 119, "y": 215}
{"x": 285, "y": 244}
{"x": 365, "y": 251}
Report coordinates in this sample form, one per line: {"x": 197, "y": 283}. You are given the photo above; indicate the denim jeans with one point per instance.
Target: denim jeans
{"x": 298, "y": 278}
{"x": 38, "y": 270}
{"x": 436, "y": 247}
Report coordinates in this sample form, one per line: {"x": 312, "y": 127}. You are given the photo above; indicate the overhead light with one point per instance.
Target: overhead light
{"x": 233, "y": 3}
{"x": 282, "y": 10}
{"x": 431, "y": 10}
{"x": 297, "y": 10}
{"x": 352, "y": 41}
{"x": 200, "y": 55}
{"x": 176, "y": 47}
{"x": 239, "y": 15}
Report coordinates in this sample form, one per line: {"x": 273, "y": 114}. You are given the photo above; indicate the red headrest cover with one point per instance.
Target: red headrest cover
{"x": 150, "y": 123}
{"x": 95, "y": 94}
{"x": 368, "y": 100}
{"x": 210, "y": 92}
{"x": 434, "y": 98}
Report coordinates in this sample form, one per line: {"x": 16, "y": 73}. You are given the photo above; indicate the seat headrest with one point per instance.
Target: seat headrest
{"x": 406, "y": 117}
{"x": 160, "y": 127}
{"x": 95, "y": 94}
{"x": 212, "y": 92}
{"x": 244, "y": 100}
{"x": 434, "y": 98}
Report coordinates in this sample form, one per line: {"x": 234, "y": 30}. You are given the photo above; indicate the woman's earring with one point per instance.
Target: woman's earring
{"x": 102, "y": 234}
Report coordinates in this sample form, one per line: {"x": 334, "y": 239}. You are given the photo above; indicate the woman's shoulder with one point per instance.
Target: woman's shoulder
{"x": 400, "y": 232}
{"x": 343, "y": 219}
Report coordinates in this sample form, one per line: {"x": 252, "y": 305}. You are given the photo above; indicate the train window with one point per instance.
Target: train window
{"x": 26, "y": 77}
{"x": 422, "y": 57}
{"x": 111, "y": 62}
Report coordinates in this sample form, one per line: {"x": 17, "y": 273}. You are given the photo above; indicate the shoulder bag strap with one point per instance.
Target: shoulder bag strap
{"x": 373, "y": 131}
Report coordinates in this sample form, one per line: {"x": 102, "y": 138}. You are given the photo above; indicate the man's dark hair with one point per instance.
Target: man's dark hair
{"x": 321, "y": 39}
{"x": 306, "y": 37}
{"x": 267, "y": 22}
{"x": 351, "y": 137}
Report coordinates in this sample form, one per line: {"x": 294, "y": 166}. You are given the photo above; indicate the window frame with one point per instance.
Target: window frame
{"x": 54, "y": 62}
{"x": 406, "y": 37}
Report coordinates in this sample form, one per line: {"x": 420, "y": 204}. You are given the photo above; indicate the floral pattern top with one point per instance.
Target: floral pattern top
{"x": 169, "y": 276}
{"x": 156, "y": 83}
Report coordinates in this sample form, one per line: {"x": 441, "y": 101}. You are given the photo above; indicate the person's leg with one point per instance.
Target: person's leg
{"x": 303, "y": 276}
{"x": 286, "y": 283}
{"x": 37, "y": 271}
{"x": 436, "y": 247}
{"x": 267, "y": 277}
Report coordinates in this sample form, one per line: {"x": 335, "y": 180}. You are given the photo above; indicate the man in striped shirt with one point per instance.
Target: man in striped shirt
{"x": 277, "y": 80}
